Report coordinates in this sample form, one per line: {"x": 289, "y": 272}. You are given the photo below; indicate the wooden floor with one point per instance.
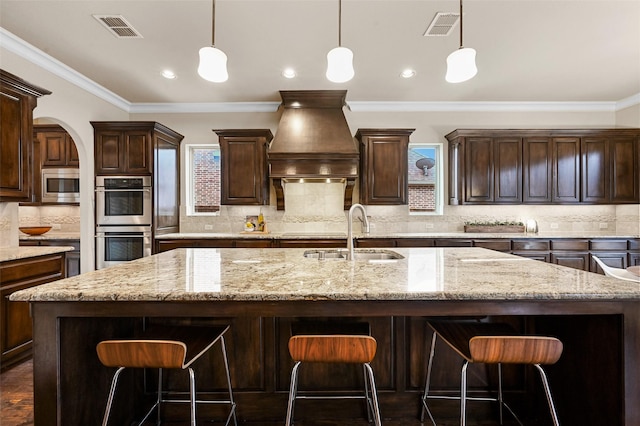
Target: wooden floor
{"x": 16, "y": 406}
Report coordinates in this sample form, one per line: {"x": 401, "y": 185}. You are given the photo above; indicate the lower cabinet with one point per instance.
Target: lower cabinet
{"x": 15, "y": 326}
{"x": 72, "y": 266}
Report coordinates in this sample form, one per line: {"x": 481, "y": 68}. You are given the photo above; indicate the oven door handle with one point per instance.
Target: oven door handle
{"x": 100, "y": 189}
{"x": 123, "y": 236}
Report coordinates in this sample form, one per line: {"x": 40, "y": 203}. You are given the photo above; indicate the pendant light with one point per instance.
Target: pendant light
{"x": 213, "y": 62}
{"x": 461, "y": 64}
{"x": 340, "y": 59}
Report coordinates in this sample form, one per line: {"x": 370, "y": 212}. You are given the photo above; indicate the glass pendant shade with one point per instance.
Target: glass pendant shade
{"x": 340, "y": 65}
{"x": 213, "y": 65}
{"x": 461, "y": 65}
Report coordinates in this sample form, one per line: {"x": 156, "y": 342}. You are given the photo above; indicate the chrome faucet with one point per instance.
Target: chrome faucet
{"x": 365, "y": 227}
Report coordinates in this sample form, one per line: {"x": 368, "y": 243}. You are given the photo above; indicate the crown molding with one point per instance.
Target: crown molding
{"x": 628, "y": 102}
{"x": 203, "y": 107}
{"x": 483, "y": 106}
{"x": 31, "y": 53}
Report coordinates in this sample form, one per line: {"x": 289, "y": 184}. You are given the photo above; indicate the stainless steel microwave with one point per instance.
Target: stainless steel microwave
{"x": 60, "y": 185}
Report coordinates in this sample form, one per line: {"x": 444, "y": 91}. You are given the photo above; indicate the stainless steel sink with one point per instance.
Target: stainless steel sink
{"x": 363, "y": 254}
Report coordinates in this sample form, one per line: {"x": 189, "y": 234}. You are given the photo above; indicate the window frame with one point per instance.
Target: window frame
{"x": 439, "y": 179}
{"x": 190, "y": 177}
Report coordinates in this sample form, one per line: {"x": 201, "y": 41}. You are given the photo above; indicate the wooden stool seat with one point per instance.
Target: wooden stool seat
{"x": 334, "y": 348}
{"x": 175, "y": 347}
{"x": 491, "y": 343}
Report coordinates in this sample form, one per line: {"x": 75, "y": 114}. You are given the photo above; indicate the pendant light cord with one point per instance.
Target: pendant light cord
{"x": 213, "y": 23}
{"x": 339, "y": 23}
{"x": 461, "y": 44}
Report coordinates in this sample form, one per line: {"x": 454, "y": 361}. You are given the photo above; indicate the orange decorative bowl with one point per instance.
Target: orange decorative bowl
{"x": 34, "y": 230}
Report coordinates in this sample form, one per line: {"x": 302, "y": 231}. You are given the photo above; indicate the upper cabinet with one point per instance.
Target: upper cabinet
{"x": 243, "y": 157}
{"x": 56, "y": 146}
{"x": 383, "y": 165}
{"x": 544, "y": 166}
{"x": 17, "y": 101}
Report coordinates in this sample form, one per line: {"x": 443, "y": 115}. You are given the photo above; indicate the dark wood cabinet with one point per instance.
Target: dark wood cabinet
{"x": 537, "y": 170}
{"x": 383, "y": 165}
{"x": 610, "y": 169}
{"x": 552, "y": 167}
{"x": 15, "y": 325}
{"x": 72, "y": 264}
{"x": 244, "y": 173}
{"x": 56, "y": 146}
{"x": 18, "y": 98}
{"x": 130, "y": 147}
{"x": 491, "y": 165}
{"x": 565, "y": 159}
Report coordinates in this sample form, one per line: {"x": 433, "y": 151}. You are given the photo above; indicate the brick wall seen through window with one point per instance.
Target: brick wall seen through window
{"x": 205, "y": 179}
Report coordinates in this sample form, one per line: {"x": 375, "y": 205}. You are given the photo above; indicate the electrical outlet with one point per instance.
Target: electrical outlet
{"x": 553, "y": 225}
{"x": 604, "y": 226}
{"x": 55, "y": 226}
{"x": 428, "y": 225}
{"x": 208, "y": 227}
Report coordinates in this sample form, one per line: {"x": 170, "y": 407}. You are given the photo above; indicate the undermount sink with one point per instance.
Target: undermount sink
{"x": 358, "y": 254}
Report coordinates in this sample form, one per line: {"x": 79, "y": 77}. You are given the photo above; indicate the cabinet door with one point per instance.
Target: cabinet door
{"x": 595, "y": 170}
{"x": 479, "y": 170}
{"x": 507, "y": 170}
{"x": 537, "y": 170}
{"x": 244, "y": 178}
{"x": 384, "y": 169}
{"x": 625, "y": 170}
{"x": 54, "y": 148}
{"x": 571, "y": 260}
{"x": 137, "y": 149}
{"x": 615, "y": 260}
{"x": 109, "y": 152}
{"x": 566, "y": 169}
{"x": 15, "y": 147}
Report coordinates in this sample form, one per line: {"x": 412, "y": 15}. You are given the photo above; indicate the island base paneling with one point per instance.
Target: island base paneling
{"x": 591, "y": 372}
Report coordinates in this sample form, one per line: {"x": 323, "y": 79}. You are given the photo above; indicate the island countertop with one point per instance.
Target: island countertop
{"x": 286, "y": 275}
{"x": 17, "y": 253}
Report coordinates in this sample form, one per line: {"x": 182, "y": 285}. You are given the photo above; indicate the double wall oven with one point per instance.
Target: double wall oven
{"x": 123, "y": 219}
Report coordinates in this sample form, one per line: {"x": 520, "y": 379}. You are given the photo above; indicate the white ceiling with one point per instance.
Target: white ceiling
{"x": 528, "y": 50}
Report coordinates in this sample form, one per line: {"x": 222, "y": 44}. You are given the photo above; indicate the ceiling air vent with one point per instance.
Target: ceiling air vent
{"x": 442, "y": 24}
{"x": 118, "y": 26}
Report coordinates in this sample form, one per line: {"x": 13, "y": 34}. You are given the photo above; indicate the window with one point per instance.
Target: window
{"x": 203, "y": 179}
{"x": 425, "y": 178}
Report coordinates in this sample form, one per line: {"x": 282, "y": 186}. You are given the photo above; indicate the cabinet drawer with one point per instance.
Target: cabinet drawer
{"x": 569, "y": 244}
{"x": 415, "y": 242}
{"x": 537, "y": 245}
{"x": 376, "y": 242}
{"x": 608, "y": 244}
{"x": 33, "y": 269}
{"x": 453, "y": 242}
{"x": 498, "y": 245}
{"x": 634, "y": 244}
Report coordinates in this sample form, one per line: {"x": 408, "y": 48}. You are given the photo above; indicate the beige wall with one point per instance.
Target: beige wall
{"x": 628, "y": 117}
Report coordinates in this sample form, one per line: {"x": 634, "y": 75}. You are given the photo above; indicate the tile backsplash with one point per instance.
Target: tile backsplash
{"x": 61, "y": 218}
{"x": 318, "y": 208}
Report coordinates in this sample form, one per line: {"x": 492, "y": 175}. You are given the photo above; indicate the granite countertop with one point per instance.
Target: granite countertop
{"x": 286, "y": 275}
{"x": 341, "y": 235}
{"x": 50, "y": 236}
{"x": 17, "y": 253}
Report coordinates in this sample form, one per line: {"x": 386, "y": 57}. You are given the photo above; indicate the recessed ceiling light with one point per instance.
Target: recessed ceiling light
{"x": 408, "y": 73}
{"x": 168, "y": 74}
{"x": 289, "y": 73}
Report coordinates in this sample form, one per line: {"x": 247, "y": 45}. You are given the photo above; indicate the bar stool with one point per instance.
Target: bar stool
{"x": 334, "y": 348}
{"x": 161, "y": 347}
{"x": 491, "y": 343}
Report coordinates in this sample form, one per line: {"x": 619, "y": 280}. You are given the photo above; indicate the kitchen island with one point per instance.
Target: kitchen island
{"x": 261, "y": 291}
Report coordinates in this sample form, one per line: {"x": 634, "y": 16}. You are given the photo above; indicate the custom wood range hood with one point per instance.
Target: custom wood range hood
{"x": 313, "y": 141}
